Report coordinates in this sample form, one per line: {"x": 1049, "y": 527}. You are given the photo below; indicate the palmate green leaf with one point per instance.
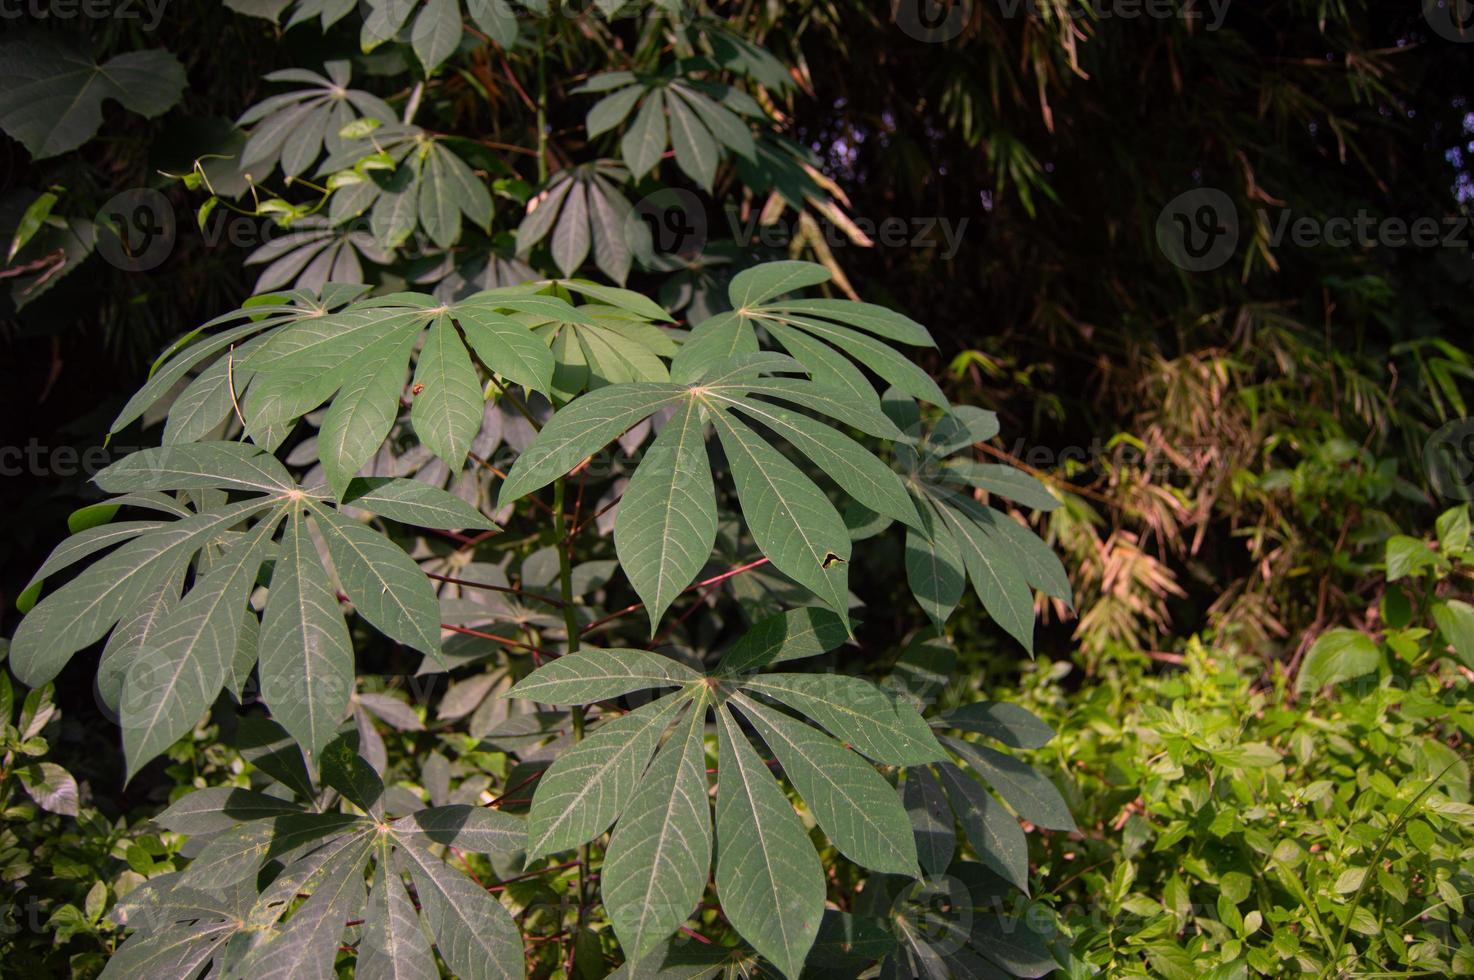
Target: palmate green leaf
{"x": 240, "y": 852}
{"x": 825, "y": 334}
{"x": 473, "y": 931}
{"x": 436, "y": 33}
{"x": 931, "y": 819}
{"x": 169, "y": 655}
{"x": 658, "y": 859}
{"x": 667, "y": 521}
{"x": 996, "y": 577}
{"x": 306, "y": 656}
{"x": 791, "y": 520}
{"x": 768, "y": 875}
{"x": 293, "y": 128}
{"x": 792, "y": 635}
{"x": 413, "y": 502}
{"x": 218, "y": 808}
{"x": 934, "y": 567}
{"x": 1026, "y": 789}
{"x": 52, "y": 91}
{"x": 464, "y": 827}
{"x": 1008, "y": 723}
{"x": 858, "y": 809}
{"x": 582, "y": 210}
{"x": 601, "y": 675}
{"x": 361, "y": 353}
{"x": 393, "y": 947}
{"x": 307, "y": 947}
{"x": 587, "y": 788}
{"x": 344, "y": 770}
{"x": 383, "y": 583}
{"x": 877, "y": 723}
{"x": 995, "y": 834}
{"x": 448, "y": 408}
{"x": 862, "y": 475}
{"x": 173, "y": 681}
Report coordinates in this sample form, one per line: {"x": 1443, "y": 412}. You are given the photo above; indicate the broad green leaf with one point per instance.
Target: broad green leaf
{"x": 174, "y": 951}
{"x": 196, "y": 466}
{"x": 763, "y": 282}
{"x": 696, "y": 151}
{"x": 878, "y": 723}
{"x": 768, "y": 875}
{"x": 1006, "y": 481}
{"x": 581, "y": 428}
{"x": 645, "y": 140}
{"x": 507, "y": 347}
{"x": 436, "y": 33}
{"x": 1039, "y": 563}
{"x": 1025, "y": 788}
{"x": 869, "y": 317}
{"x": 792, "y": 635}
{"x": 467, "y": 828}
{"x": 931, "y": 819}
{"x": 1408, "y": 556}
{"x": 1008, "y": 723}
{"x": 1337, "y": 655}
{"x": 473, "y": 931}
{"x": 82, "y": 611}
{"x": 51, "y": 787}
{"x": 218, "y": 808}
{"x": 89, "y": 542}
{"x": 1455, "y": 621}
{"x": 850, "y": 465}
{"x": 571, "y": 239}
{"x": 448, "y": 407}
{"x": 712, "y": 343}
{"x": 344, "y": 770}
{"x": 52, "y": 91}
{"x": 359, "y": 419}
{"x": 995, "y": 834}
{"x": 667, "y": 521}
{"x": 838, "y": 404}
{"x": 307, "y": 669}
{"x": 587, "y": 788}
{"x": 997, "y": 580}
{"x": 601, "y": 675}
{"x": 791, "y": 520}
{"x": 307, "y": 946}
{"x": 612, "y": 110}
{"x": 414, "y": 502}
{"x": 855, "y": 806}
{"x": 240, "y": 852}
{"x": 392, "y": 947}
{"x": 172, "y": 682}
{"x": 660, "y": 854}
{"x": 383, "y": 583}
{"x": 934, "y": 568}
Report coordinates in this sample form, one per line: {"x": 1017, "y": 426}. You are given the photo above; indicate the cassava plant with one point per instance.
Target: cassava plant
{"x": 754, "y": 471}
{"x": 623, "y": 542}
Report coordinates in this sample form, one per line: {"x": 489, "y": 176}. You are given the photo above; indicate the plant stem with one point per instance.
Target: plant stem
{"x": 542, "y": 101}
{"x": 570, "y": 622}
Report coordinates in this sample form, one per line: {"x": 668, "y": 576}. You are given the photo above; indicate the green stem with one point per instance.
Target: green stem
{"x": 570, "y": 623}
{"x": 542, "y": 100}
